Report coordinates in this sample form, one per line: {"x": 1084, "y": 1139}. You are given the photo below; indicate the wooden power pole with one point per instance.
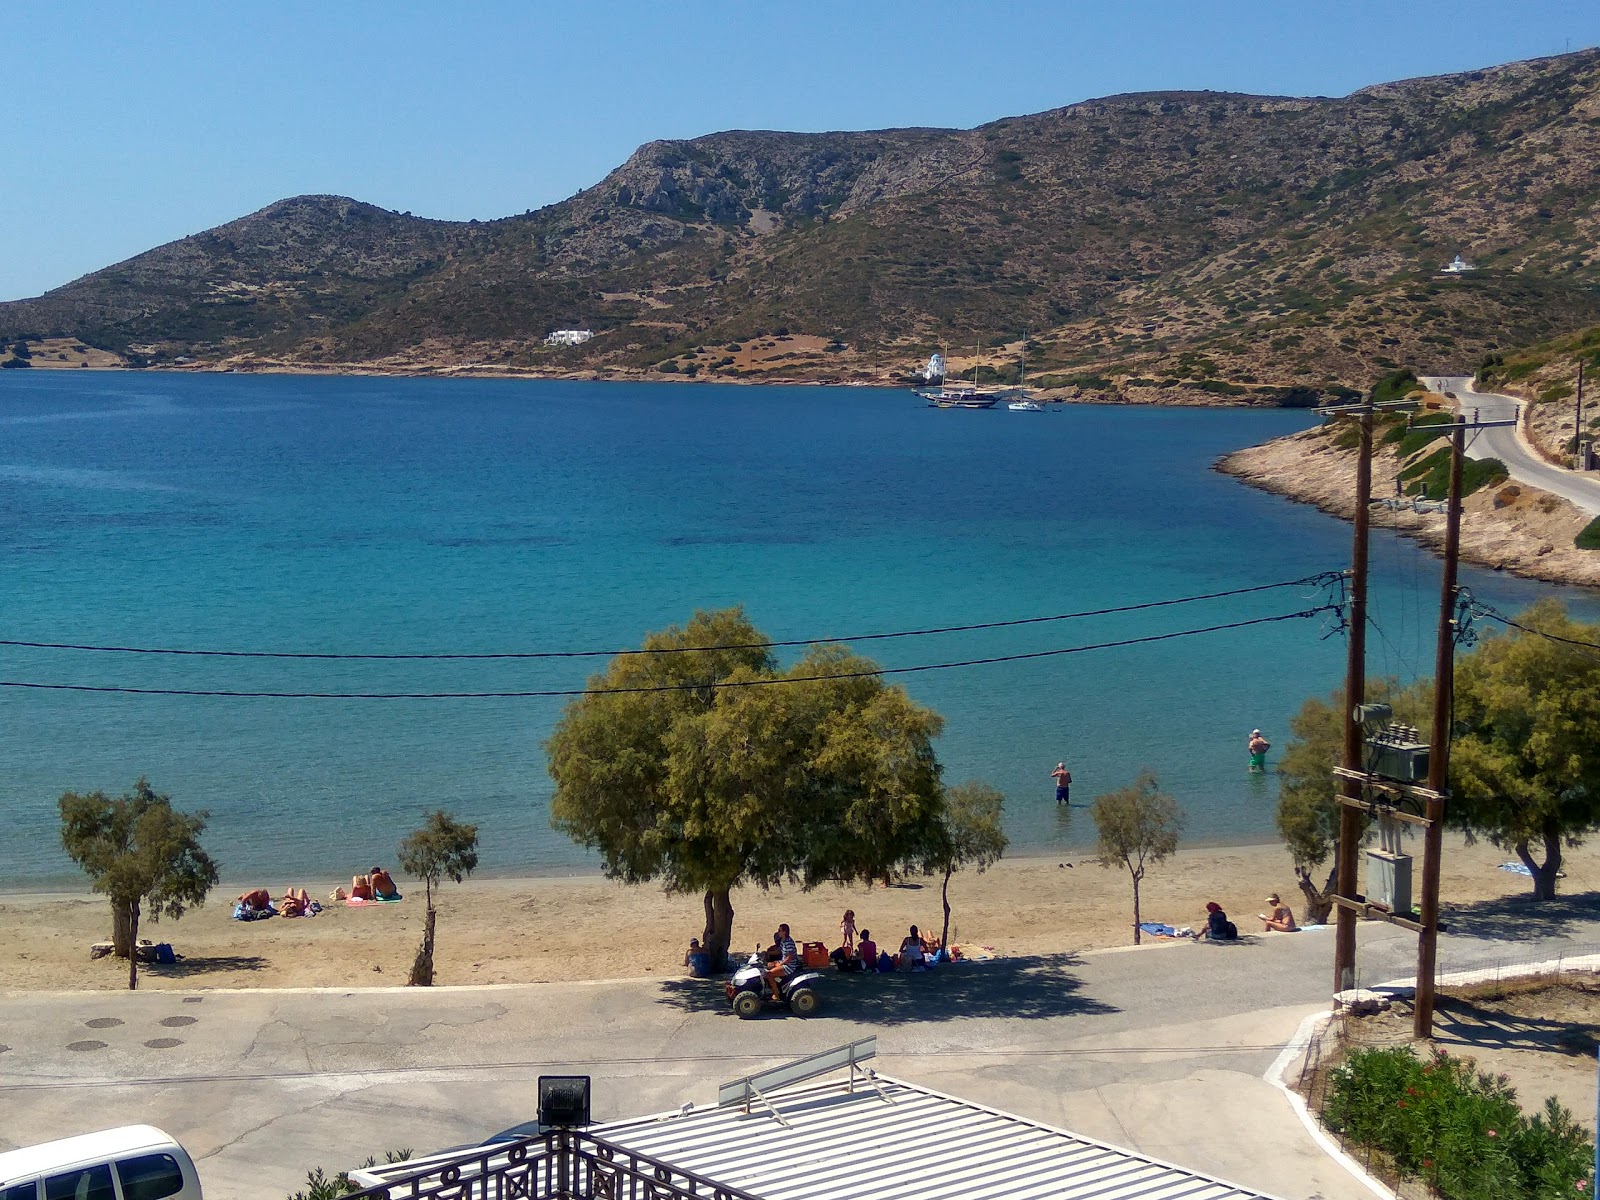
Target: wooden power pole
{"x": 1355, "y": 692}
{"x": 1444, "y": 668}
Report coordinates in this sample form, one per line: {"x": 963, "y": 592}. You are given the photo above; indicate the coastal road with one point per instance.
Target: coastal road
{"x": 1508, "y": 445}
{"x": 1161, "y": 1049}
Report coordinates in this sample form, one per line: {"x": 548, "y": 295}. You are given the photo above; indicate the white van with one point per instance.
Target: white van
{"x": 135, "y": 1162}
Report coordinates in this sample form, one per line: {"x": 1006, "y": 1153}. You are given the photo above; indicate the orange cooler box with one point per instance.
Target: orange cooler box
{"x": 814, "y": 954}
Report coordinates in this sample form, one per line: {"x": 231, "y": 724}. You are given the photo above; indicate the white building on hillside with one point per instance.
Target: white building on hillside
{"x": 568, "y": 337}
{"x": 1457, "y": 266}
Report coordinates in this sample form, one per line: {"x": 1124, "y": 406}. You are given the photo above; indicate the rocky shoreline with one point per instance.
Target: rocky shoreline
{"x": 1514, "y": 528}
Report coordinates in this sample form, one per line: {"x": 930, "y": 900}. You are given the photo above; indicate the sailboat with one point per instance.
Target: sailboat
{"x": 1024, "y": 402}
{"x": 961, "y": 394}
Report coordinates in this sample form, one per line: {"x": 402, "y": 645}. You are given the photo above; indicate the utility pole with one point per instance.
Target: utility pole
{"x": 1577, "y": 420}
{"x": 1355, "y": 692}
{"x": 1444, "y": 670}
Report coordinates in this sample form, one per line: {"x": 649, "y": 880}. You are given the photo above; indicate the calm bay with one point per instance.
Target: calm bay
{"x": 403, "y": 516}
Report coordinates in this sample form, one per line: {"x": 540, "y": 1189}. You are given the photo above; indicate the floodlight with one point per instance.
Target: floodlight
{"x": 563, "y": 1100}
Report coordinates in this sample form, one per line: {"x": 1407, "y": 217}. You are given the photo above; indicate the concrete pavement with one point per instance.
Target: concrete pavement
{"x": 1160, "y": 1049}
{"x": 1510, "y": 447}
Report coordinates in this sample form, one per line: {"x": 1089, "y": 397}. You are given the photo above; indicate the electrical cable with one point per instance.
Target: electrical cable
{"x": 712, "y": 685}
{"x": 1479, "y": 609}
{"x": 1320, "y": 577}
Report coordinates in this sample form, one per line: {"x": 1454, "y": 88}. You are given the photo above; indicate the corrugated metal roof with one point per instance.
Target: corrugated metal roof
{"x": 907, "y": 1142}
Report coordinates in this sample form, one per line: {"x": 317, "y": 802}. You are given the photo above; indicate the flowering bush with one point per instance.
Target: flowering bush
{"x": 1459, "y": 1128}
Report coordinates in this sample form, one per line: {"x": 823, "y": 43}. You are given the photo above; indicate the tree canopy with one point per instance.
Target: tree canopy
{"x": 1525, "y": 765}
{"x": 139, "y": 853}
{"x": 710, "y": 774}
{"x": 1138, "y": 825}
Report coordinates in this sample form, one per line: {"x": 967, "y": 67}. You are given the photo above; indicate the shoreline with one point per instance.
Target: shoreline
{"x": 583, "y": 927}
{"x": 1530, "y": 535}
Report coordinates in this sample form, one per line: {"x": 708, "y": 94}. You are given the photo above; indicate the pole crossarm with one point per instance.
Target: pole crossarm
{"x": 1377, "y": 913}
{"x": 1373, "y": 809}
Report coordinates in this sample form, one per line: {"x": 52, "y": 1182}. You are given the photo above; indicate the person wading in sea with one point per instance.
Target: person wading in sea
{"x": 1063, "y": 778}
{"x": 1258, "y": 747}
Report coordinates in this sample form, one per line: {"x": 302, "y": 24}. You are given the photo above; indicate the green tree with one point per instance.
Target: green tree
{"x": 1308, "y": 817}
{"x": 138, "y": 852}
{"x": 705, "y": 786}
{"x": 442, "y": 848}
{"x": 969, "y": 835}
{"x": 1525, "y": 764}
{"x": 21, "y": 350}
{"x": 1138, "y": 827}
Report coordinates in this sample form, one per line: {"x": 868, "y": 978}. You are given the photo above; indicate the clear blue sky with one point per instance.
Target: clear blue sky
{"x": 130, "y": 125}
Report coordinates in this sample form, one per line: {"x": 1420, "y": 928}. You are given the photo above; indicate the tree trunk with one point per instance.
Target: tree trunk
{"x": 1319, "y": 905}
{"x": 1544, "y": 874}
{"x": 133, "y": 945}
{"x": 718, "y": 934}
{"x": 121, "y": 929}
{"x": 422, "y": 967}
{"x": 944, "y": 937}
{"x": 1136, "y": 930}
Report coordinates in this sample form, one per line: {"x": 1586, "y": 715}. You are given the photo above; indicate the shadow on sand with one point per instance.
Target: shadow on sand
{"x": 1030, "y": 986}
{"x": 203, "y": 964}
{"x": 1520, "y": 918}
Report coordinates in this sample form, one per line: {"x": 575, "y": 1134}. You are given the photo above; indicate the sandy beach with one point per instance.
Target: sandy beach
{"x": 586, "y": 927}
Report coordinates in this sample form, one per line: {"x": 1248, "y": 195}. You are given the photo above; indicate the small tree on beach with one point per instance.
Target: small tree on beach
{"x": 698, "y": 762}
{"x": 969, "y": 836}
{"x": 443, "y": 848}
{"x": 141, "y": 854}
{"x": 1138, "y": 827}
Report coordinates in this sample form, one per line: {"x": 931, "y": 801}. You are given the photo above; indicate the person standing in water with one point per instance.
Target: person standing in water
{"x": 1258, "y": 747}
{"x": 1063, "y": 778}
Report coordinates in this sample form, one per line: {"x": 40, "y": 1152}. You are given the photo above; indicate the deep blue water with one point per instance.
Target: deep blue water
{"x": 389, "y": 515}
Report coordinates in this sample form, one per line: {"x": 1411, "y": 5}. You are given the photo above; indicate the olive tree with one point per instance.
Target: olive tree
{"x": 1525, "y": 763}
{"x": 698, "y": 762}
{"x": 441, "y": 848}
{"x": 141, "y": 855}
{"x": 969, "y": 835}
{"x": 1138, "y": 825}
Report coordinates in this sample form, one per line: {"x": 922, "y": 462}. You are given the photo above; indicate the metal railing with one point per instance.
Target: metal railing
{"x": 562, "y": 1164}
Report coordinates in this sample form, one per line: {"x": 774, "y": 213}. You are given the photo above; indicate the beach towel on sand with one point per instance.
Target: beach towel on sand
{"x": 1157, "y": 928}
{"x": 357, "y": 902}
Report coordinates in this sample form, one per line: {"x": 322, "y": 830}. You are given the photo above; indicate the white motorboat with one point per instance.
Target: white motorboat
{"x": 1025, "y": 404}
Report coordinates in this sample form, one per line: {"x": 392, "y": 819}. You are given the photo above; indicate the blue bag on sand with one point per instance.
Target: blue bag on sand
{"x": 885, "y": 963}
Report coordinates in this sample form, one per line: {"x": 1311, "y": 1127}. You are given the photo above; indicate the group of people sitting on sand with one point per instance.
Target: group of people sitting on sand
{"x": 1279, "y": 918}
{"x": 258, "y": 903}
{"x": 377, "y": 884}
{"x": 856, "y": 952}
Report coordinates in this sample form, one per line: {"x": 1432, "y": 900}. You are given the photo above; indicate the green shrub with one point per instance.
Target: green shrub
{"x": 1429, "y": 478}
{"x": 1396, "y": 385}
{"x": 1419, "y": 435}
{"x": 1556, "y": 391}
{"x": 1460, "y": 1129}
{"x": 1396, "y": 428}
{"x": 1589, "y": 536}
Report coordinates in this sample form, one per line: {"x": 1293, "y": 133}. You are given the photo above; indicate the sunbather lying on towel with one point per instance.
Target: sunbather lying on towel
{"x": 295, "y": 903}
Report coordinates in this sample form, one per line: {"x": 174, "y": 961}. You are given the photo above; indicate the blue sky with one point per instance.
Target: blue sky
{"x": 130, "y": 125}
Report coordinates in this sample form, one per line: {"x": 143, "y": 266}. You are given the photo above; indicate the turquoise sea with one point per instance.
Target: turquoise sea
{"x": 405, "y": 516}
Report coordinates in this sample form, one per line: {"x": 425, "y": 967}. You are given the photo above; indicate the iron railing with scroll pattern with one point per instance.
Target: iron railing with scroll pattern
{"x": 561, "y": 1164}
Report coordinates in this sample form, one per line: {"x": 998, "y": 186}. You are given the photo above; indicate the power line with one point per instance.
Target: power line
{"x": 1483, "y": 610}
{"x": 710, "y": 685}
{"x": 1321, "y": 577}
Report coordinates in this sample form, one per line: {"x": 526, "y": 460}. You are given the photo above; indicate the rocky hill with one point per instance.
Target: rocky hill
{"x": 1159, "y": 245}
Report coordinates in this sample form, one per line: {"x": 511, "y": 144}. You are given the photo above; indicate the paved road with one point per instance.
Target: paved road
{"x": 1160, "y": 1049}
{"x": 1506, "y": 444}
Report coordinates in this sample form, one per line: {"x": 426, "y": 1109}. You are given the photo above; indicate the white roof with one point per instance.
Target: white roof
{"x": 86, "y": 1147}
{"x": 907, "y": 1143}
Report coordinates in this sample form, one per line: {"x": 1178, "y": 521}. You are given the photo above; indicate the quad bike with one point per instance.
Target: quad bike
{"x": 750, "y": 993}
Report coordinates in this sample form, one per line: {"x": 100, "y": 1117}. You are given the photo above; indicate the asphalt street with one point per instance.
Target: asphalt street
{"x": 1160, "y": 1049}
{"x": 1507, "y": 444}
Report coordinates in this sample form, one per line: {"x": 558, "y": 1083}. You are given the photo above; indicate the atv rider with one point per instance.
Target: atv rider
{"x": 786, "y": 962}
